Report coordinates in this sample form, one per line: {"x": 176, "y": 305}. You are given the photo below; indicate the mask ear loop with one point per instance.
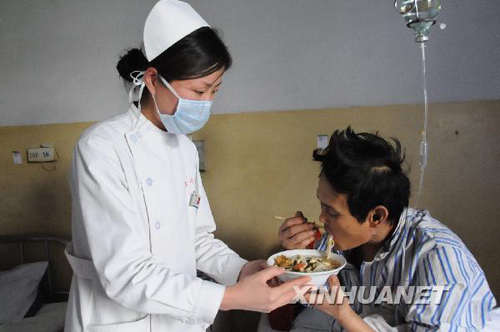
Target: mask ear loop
{"x": 138, "y": 81}
{"x": 170, "y": 88}
{"x": 164, "y": 81}
{"x": 156, "y": 107}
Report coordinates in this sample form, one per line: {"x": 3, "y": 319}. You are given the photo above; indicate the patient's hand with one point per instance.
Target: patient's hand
{"x": 340, "y": 305}
{"x": 296, "y": 233}
{"x": 340, "y": 308}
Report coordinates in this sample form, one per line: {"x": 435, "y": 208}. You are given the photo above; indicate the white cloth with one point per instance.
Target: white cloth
{"x": 50, "y": 318}
{"x": 168, "y": 22}
{"x": 136, "y": 241}
{"x": 494, "y": 324}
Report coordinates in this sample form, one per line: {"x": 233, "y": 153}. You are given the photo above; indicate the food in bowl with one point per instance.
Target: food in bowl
{"x": 317, "y": 278}
{"x": 301, "y": 263}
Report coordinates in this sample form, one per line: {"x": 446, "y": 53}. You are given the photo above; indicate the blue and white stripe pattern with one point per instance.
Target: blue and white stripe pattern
{"x": 422, "y": 252}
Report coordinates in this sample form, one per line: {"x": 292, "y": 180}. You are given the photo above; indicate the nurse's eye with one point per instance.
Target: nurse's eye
{"x": 199, "y": 92}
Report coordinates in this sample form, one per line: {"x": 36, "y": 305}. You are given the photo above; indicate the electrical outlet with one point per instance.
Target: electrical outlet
{"x": 18, "y": 160}
{"x": 40, "y": 155}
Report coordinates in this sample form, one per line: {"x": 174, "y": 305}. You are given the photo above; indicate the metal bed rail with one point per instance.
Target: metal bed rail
{"x": 45, "y": 239}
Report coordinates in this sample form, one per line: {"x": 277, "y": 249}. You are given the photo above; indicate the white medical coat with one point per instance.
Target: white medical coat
{"x": 137, "y": 242}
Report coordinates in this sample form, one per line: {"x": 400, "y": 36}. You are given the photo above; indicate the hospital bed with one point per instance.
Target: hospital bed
{"x": 34, "y": 283}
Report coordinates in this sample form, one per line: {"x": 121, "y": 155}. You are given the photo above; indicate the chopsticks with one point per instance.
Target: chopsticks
{"x": 283, "y": 218}
{"x": 329, "y": 247}
{"x": 330, "y": 241}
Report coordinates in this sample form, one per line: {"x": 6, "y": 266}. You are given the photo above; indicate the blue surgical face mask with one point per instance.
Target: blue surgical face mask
{"x": 189, "y": 116}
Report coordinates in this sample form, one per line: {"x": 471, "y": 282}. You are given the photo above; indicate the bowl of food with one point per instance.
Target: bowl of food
{"x": 307, "y": 262}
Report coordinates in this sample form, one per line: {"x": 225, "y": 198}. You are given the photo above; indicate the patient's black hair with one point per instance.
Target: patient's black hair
{"x": 367, "y": 169}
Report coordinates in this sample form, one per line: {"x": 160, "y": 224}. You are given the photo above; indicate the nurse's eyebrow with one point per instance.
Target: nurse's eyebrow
{"x": 210, "y": 84}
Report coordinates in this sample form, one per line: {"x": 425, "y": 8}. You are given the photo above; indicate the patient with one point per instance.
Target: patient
{"x": 364, "y": 195}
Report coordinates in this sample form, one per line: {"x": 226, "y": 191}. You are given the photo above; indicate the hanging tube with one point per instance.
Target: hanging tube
{"x": 423, "y": 151}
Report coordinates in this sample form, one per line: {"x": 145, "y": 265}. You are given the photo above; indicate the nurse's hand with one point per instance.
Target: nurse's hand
{"x": 254, "y": 294}
{"x": 296, "y": 233}
{"x": 251, "y": 268}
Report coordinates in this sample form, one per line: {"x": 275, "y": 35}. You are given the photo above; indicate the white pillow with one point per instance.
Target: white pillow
{"x": 18, "y": 290}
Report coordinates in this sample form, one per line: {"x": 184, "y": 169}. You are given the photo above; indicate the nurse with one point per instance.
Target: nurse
{"x": 141, "y": 222}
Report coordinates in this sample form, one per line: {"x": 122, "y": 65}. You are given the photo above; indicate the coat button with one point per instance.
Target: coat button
{"x": 133, "y": 138}
{"x": 149, "y": 182}
{"x": 157, "y": 225}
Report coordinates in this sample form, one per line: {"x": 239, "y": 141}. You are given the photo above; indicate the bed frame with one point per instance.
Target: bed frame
{"x": 52, "y": 245}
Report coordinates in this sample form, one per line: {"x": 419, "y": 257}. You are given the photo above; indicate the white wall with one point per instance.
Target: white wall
{"x": 58, "y": 57}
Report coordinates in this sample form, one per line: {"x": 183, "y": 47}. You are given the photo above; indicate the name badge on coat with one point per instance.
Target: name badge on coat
{"x": 195, "y": 199}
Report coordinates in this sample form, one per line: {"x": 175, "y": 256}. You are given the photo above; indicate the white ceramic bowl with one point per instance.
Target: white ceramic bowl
{"x": 317, "y": 278}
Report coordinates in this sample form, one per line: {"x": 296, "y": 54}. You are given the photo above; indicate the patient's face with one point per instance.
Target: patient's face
{"x": 346, "y": 231}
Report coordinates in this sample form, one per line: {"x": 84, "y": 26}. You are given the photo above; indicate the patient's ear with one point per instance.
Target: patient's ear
{"x": 378, "y": 216}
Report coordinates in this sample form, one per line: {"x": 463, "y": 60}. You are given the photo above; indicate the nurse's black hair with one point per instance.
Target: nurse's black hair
{"x": 367, "y": 169}
{"x": 198, "y": 54}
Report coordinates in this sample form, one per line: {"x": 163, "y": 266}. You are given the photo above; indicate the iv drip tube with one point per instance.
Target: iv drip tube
{"x": 423, "y": 143}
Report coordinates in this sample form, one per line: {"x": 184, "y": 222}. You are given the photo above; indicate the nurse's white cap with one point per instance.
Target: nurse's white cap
{"x": 168, "y": 22}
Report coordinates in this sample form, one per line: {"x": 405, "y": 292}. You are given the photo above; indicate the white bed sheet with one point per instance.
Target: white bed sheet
{"x": 494, "y": 324}
{"x": 50, "y": 318}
